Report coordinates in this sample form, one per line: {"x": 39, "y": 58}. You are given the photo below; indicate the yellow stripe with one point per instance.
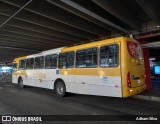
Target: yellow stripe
{"x": 92, "y": 71}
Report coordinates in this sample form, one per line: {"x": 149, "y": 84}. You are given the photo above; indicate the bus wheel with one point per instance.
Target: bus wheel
{"x": 20, "y": 83}
{"x": 60, "y": 88}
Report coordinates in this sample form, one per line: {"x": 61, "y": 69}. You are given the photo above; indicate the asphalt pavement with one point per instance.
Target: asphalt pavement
{"x": 39, "y": 101}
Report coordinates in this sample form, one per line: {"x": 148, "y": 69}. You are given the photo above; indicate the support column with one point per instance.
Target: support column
{"x": 147, "y": 68}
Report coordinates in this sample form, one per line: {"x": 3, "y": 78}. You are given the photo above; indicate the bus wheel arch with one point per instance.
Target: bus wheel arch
{"x": 60, "y": 87}
{"x": 20, "y": 82}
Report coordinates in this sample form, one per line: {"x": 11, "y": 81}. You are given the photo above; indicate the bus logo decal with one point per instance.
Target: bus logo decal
{"x": 57, "y": 71}
{"x": 104, "y": 79}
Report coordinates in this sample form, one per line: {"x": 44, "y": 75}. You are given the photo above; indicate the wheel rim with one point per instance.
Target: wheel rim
{"x": 60, "y": 89}
{"x": 21, "y": 83}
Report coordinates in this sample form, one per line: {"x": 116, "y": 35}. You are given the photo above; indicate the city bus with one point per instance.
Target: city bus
{"x": 111, "y": 67}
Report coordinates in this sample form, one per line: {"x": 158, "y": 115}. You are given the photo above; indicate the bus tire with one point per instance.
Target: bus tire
{"x": 60, "y": 88}
{"x": 20, "y": 83}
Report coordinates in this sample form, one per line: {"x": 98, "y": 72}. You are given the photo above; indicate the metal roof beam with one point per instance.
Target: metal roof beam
{"x": 14, "y": 42}
{"x": 36, "y": 33}
{"x": 26, "y": 41}
{"x": 44, "y": 28}
{"x": 117, "y": 8}
{"x": 55, "y": 13}
{"x": 91, "y": 14}
{"x": 56, "y": 27}
{"x": 151, "y": 7}
{"x": 16, "y": 48}
{"x": 33, "y": 39}
{"x": 25, "y": 32}
{"x": 15, "y": 13}
{"x": 85, "y": 16}
{"x": 9, "y": 43}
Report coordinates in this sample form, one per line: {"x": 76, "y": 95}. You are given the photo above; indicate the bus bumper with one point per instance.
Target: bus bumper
{"x": 127, "y": 92}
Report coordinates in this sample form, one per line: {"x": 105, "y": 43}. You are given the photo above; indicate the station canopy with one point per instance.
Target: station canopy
{"x": 31, "y": 26}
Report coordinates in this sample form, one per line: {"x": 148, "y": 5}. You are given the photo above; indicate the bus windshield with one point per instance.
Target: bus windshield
{"x": 14, "y": 67}
{"x": 134, "y": 50}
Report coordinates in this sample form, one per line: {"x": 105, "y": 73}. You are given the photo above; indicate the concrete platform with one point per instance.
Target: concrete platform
{"x": 151, "y": 94}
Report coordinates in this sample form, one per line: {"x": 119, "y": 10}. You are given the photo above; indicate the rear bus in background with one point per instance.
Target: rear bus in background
{"x": 112, "y": 67}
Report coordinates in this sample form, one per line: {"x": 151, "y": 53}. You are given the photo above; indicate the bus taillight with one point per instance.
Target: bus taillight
{"x": 128, "y": 80}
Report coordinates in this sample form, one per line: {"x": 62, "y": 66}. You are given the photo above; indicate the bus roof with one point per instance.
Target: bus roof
{"x": 96, "y": 43}
{"x": 19, "y": 58}
{"x": 76, "y": 47}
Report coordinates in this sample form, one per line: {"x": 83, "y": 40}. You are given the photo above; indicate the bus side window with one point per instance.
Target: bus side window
{"x": 70, "y": 60}
{"x": 62, "y": 60}
{"x": 92, "y": 57}
{"x": 109, "y": 56}
{"x": 22, "y": 64}
{"x": 80, "y": 59}
{"x": 51, "y": 61}
{"x": 66, "y": 60}
{"x": 29, "y": 63}
{"x": 39, "y": 62}
{"x": 87, "y": 58}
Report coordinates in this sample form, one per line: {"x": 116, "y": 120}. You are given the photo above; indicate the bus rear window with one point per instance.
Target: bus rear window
{"x": 134, "y": 50}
